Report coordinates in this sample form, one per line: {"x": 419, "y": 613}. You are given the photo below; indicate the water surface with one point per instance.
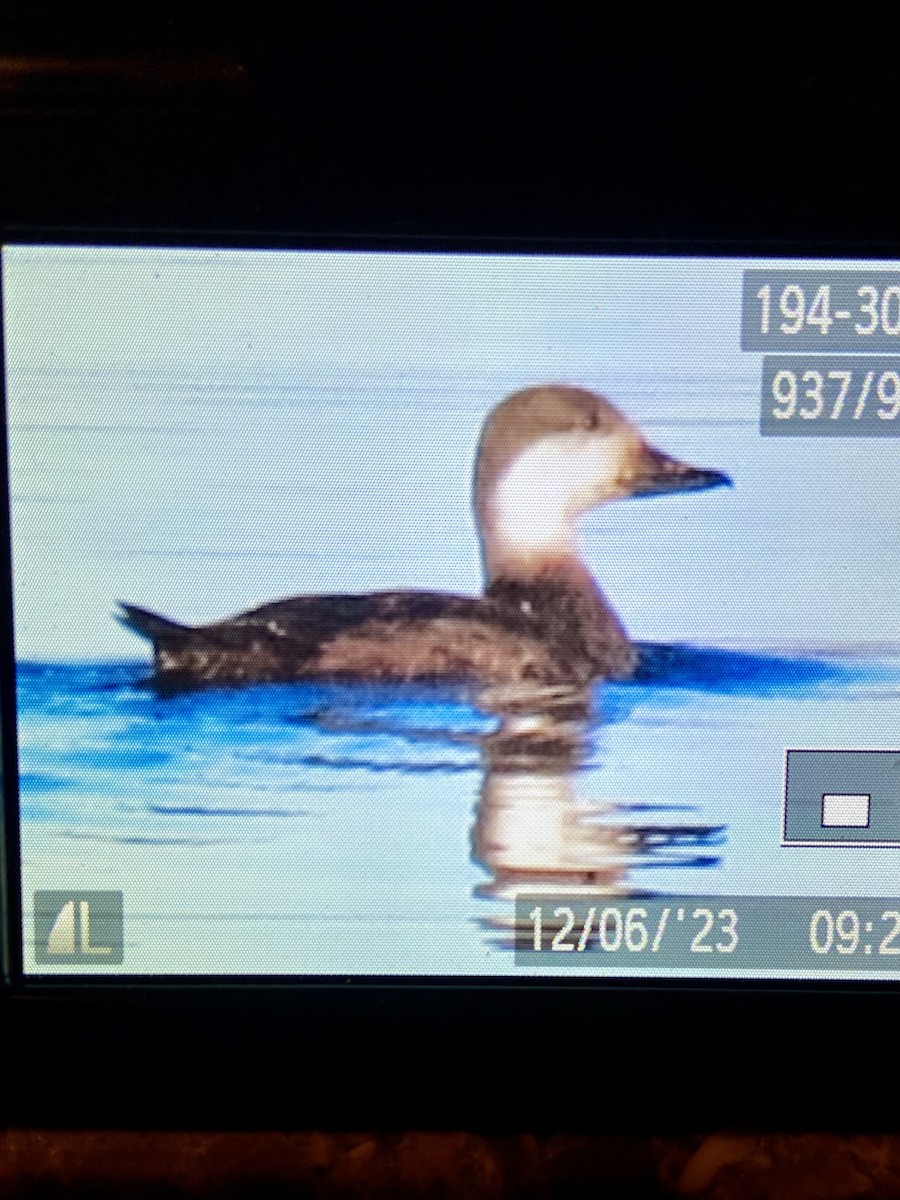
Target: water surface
{"x": 342, "y": 828}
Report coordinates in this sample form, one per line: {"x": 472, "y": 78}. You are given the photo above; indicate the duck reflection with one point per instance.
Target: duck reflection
{"x": 542, "y": 826}
{"x": 536, "y": 834}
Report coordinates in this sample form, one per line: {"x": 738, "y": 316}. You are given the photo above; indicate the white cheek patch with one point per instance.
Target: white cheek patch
{"x": 550, "y": 483}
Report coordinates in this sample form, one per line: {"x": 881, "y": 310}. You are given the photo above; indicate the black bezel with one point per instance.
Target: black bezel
{"x": 422, "y": 1051}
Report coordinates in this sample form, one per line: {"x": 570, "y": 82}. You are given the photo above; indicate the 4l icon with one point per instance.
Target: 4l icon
{"x": 84, "y": 928}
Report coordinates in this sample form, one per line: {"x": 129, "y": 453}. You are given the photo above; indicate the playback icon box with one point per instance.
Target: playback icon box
{"x": 842, "y": 797}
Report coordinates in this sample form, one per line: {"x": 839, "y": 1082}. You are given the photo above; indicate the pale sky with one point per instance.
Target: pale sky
{"x": 197, "y": 432}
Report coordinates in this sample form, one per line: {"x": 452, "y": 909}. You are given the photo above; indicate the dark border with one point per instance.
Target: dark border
{"x": 10, "y": 852}
{"x": 511, "y": 1053}
{"x": 237, "y": 238}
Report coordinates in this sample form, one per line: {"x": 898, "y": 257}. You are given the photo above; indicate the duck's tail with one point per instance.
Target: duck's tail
{"x": 149, "y": 625}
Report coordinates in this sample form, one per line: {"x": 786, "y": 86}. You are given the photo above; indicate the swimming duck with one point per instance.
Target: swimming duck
{"x": 546, "y": 456}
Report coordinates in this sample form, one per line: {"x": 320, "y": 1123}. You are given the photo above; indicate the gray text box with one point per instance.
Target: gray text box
{"x": 710, "y": 933}
{"x": 830, "y": 396}
{"x": 858, "y": 310}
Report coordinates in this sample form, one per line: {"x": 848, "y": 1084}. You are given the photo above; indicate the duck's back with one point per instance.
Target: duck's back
{"x": 402, "y": 636}
{"x": 502, "y": 637}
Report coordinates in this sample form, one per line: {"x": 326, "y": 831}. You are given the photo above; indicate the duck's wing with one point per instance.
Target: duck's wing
{"x": 387, "y": 636}
{"x": 313, "y": 619}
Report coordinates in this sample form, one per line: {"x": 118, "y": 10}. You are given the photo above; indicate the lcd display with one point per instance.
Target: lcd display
{"x": 415, "y": 614}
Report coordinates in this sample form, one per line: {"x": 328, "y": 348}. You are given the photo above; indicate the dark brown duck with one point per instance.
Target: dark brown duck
{"x": 547, "y": 455}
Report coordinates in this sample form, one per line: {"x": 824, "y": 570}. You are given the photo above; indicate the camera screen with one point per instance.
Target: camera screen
{"x": 459, "y": 614}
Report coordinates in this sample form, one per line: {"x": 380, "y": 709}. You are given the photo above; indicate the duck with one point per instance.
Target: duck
{"x": 546, "y": 456}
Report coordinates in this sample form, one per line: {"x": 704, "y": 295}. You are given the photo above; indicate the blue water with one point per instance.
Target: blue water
{"x": 101, "y": 746}
{"x": 364, "y": 815}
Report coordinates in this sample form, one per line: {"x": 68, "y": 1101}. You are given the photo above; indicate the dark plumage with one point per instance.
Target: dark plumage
{"x": 539, "y": 631}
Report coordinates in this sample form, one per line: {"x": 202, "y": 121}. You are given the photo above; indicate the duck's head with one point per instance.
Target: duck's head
{"x": 546, "y": 456}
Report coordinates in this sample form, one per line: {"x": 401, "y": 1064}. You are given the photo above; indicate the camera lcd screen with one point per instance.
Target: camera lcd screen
{"x": 454, "y": 614}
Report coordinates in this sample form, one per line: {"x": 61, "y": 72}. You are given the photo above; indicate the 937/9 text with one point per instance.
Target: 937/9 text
{"x": 831, "y": 396}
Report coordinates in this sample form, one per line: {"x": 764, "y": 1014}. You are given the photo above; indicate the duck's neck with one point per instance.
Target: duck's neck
{"x": 535, "y": 576}
{"x": 557, "y": 571}
{"x": 525, "y": 534}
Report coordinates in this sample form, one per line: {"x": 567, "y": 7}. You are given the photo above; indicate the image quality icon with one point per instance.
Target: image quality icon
{"x": 84, "y": 928}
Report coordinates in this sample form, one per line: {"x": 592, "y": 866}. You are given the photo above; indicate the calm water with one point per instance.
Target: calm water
{"x": 343, "y": 828}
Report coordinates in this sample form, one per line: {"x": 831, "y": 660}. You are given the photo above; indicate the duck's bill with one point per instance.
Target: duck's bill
{"x": 658, "y": 475}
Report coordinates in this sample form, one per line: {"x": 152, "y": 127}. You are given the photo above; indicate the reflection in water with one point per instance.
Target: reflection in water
{"x": 535, "y": 833}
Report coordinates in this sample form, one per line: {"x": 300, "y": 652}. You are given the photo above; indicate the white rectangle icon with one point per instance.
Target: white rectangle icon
{"x": 845, "y": 811}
